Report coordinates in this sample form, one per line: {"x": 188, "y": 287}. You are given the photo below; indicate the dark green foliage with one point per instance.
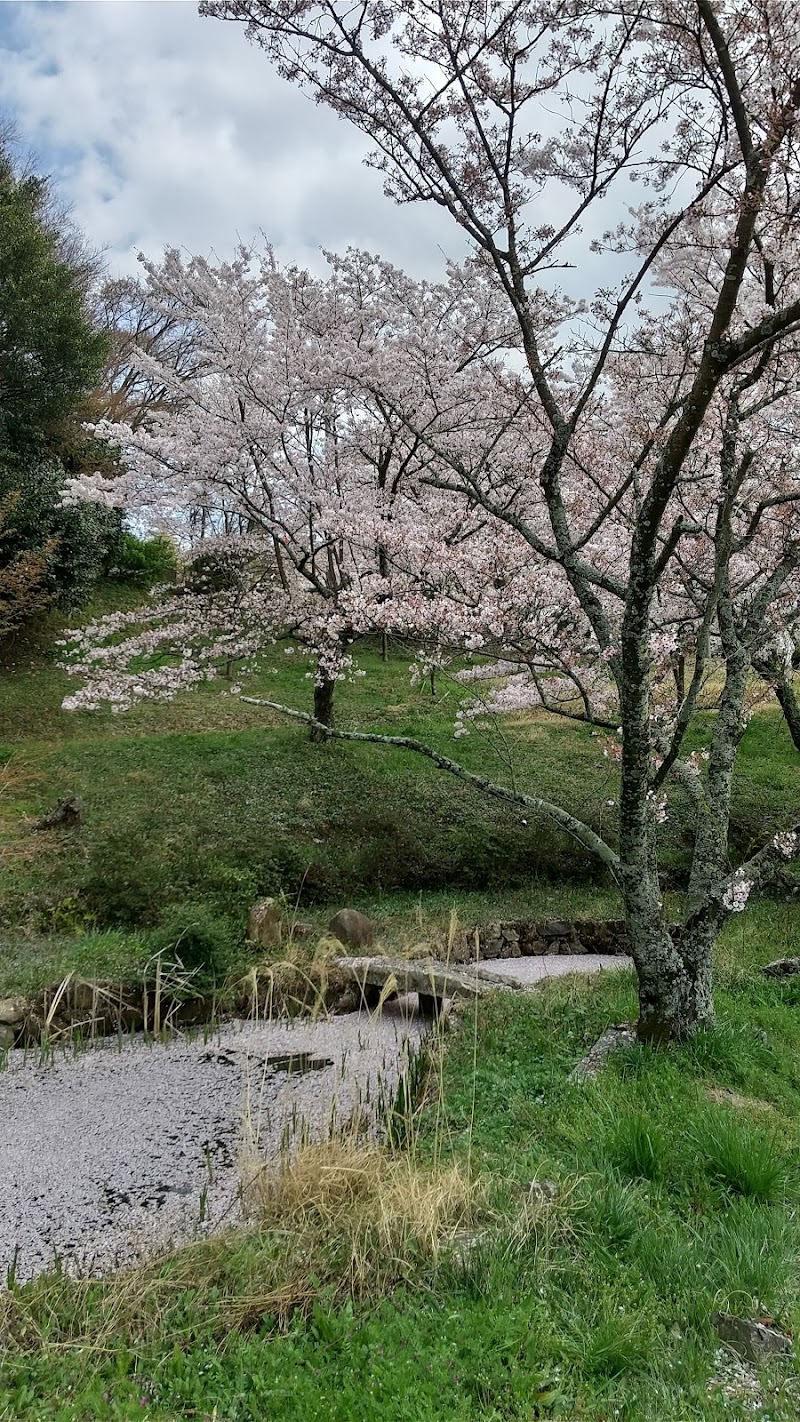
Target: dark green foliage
{"x": 150, "y": 560}
{"x": 86, "y": 537}
{"x": 50, "y": 356}
{"x": 202, "y": 941}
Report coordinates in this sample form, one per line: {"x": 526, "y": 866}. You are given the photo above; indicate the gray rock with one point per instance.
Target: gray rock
{"x": 301, "y": 928}
{"x": 749, "y": 1338}
{"x": 590, "y": 1066}
{"x": 7, "y": 1037}
{"x": 265, "y": 923}
{"x": 349, "y": 1001}
{"x": 544, "y": 1190}
{"x": 556, "y": 928}
{"x": 782, "y": 968}
{"x": 352, "y": 928}
{"x": 66, "y": 813}
{"x": 466, "y": 1243}
{"x": 12, "y": 1011}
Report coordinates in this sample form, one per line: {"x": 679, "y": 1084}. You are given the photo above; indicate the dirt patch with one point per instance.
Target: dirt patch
{"x": 723, "y": 1097}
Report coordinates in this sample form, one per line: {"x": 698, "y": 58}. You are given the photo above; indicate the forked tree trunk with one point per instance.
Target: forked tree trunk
{"x": 675, "y": 984}
{"x": 323, "y": 706}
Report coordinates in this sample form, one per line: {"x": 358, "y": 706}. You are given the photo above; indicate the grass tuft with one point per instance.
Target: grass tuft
{"x": 743, "y": 1159}
{"x": 635, "y": 1146}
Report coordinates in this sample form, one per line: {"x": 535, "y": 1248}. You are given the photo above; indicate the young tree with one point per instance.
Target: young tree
{"x": 520, "y": 120}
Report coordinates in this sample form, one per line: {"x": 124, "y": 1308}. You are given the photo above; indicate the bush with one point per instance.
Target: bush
{"x": 84, "y": 538}
{"x": 152, "y": 560}
{"x": 202, "y": 940}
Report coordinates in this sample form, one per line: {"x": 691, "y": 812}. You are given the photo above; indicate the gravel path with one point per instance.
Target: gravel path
{"x": 535, "y": 970}
{"x": 111, "y": 1154}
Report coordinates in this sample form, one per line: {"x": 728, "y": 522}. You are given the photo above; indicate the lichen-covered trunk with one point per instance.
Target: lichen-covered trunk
{"x": 790, "y": 706}
{"x": 324, "y": 688}
{"x": 673, "y": 968}
{"x": 675, "y": 980}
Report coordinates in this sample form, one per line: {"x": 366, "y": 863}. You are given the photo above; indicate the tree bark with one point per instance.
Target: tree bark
{"x": 675, "y": 984}
{"x": 679, "y": 673}
{"x": 324, "y": 689}
{"x": 790, "y": 706}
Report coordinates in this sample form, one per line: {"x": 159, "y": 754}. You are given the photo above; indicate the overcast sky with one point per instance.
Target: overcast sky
{"x": 162, "y": 129}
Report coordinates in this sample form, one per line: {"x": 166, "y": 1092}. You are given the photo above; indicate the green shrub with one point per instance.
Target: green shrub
{"x": 199, "y": 938}
{"x": 149, "y": 559}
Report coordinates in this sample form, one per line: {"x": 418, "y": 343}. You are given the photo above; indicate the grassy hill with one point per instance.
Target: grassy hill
{"x": 211, "y": 802}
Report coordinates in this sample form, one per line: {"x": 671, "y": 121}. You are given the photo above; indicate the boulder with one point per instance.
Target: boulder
{"x": 67, "y": 814}
{"x": 265, "y": 923}
{"x": 7, "y": 1037}
{"x": 352, "y": 928}
{"x": 12, "y": 1011}
{"x": 782, "y": 968}
{"x": 751, "y": 1338}
{"x": 301, "y": 928}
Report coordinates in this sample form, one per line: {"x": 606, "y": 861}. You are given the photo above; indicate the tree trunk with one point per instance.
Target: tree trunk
{"x": 323, "y": 706}
{"x": 675, "y": 985}
{"x": 679, "y": 673}
{"x": 790, "y": 706}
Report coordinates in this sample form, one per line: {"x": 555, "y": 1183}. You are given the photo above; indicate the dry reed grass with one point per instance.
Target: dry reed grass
{"x": 379, "y": 1209}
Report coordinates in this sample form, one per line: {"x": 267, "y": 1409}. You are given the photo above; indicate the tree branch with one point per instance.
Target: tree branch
{"x": 573, "y": 826}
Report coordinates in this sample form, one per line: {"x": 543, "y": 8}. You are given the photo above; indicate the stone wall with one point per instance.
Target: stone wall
{"x": 525, "y": 938}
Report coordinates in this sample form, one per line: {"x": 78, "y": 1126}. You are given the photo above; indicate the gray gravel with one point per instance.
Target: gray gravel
{"x": 535, "y": 970}
{"x": 110, "y": 1155}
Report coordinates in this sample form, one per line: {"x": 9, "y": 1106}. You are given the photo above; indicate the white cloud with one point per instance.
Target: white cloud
{"x": 164, "y": 129}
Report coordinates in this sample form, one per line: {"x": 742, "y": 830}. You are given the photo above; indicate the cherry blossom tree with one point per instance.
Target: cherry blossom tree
{"x": 659, "y": 485}
{"x": 278, "y": 471}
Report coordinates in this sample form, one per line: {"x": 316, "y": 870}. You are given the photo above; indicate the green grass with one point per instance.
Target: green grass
{"x": 677, "y": 1195}
{"x": 676, "y": 1174}
{"x": 210, "y": 801}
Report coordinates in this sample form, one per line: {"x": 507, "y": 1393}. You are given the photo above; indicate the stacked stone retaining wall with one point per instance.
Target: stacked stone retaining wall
{"x": 526, "y": 938}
